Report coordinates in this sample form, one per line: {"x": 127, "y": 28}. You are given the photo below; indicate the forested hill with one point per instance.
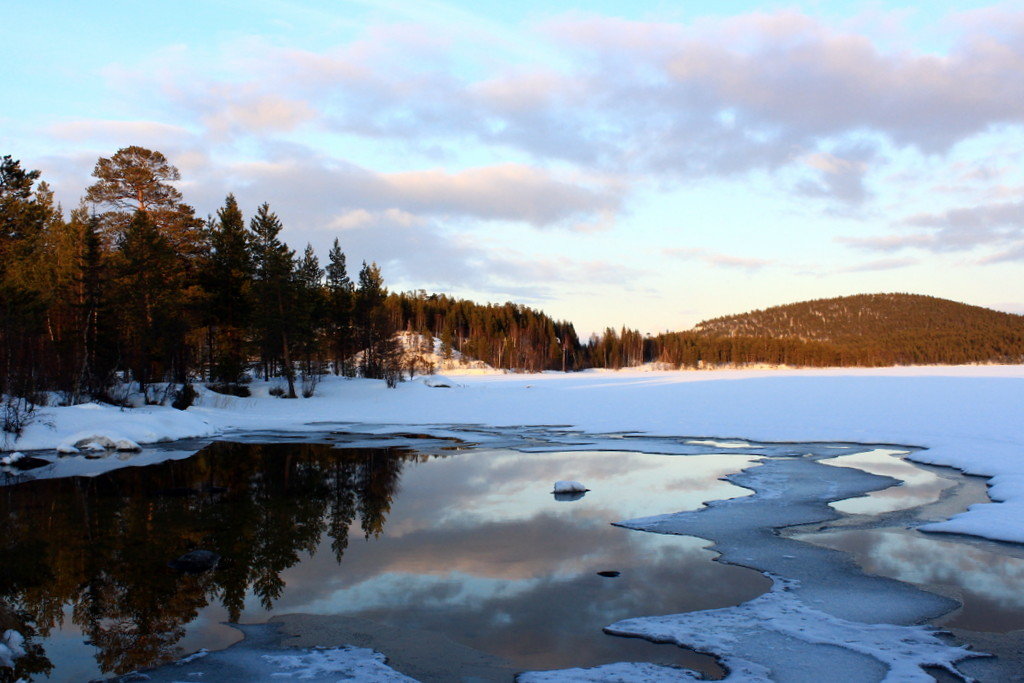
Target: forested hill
{"x": 884, "y": 328}
{"x": 862, "y": 330}
{"x": 867, "y": 316}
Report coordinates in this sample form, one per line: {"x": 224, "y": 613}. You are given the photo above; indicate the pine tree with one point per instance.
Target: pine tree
{"x": 139, "y": 179}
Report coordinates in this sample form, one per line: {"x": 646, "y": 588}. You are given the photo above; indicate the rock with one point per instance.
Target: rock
{"x": 28, "y": 463}
{"x": 610, "y": 573}
{"x": 12, "y": 458}
{"x": 195, "y": 562}
{"x": 67, "y": 449}
{"x": 96, "y": 442}
{"x": 569, "y": 497}
{"x": 127, "y": 445}
{"x": 569, "y": 487}
{"x": 438, "y": 382}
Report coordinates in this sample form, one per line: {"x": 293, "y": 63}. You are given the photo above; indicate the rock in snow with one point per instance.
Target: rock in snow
{"x": 569, "y": 487}
{"x": 438, "y": 381}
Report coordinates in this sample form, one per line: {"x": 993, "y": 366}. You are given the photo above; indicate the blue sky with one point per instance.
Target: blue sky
{"x": 648, "y": 164}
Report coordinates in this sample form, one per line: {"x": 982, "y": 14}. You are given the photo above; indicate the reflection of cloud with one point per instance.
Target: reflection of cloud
{"x": 991, "y": 585}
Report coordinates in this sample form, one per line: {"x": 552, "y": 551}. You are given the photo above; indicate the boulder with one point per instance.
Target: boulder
{"x": 569, "y": 487}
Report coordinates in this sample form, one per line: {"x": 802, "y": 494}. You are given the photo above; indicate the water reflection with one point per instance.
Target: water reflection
{"x": 989, "y": 584}
{"x": 919, "y": 486}
{"x": 475, "y": 547}
{"x": 100, "y": 546}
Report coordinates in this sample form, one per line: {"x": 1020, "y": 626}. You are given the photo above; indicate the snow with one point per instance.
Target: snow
{"x": 569, "y": 487}
{"x": 634, "y": 672}
{"x": 256, "y": 658}
{"x": 969, "y": 417}
{"x": 779, "y": 616}
{"x": 11, "y": 647}
{"x": 12, "y": 458}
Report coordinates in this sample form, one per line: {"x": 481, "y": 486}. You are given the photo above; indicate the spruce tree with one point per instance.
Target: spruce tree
{"x": 309, "y": 310}
{"x": 148, "y": 289}
{"x": 375, "y": 331}
{"x": 339, "y": 309}
{"x": 274, "y": 289}
{"x": 228, "y": 282}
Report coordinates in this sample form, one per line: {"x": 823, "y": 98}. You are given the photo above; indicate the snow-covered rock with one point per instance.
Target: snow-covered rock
{"x": 438, "y": 381}
{"x": 569, "y": 487}
{"x": 12, "y": 646}
{"x": 127, "y": 445}
{"x": 12, "y": 458}
{"x": 95, "y": 442}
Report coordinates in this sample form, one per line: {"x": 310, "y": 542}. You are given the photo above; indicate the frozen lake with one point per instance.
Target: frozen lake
{"x": 427, "y": 540}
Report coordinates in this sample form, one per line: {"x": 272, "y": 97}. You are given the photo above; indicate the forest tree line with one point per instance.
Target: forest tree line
{"x": 133, "y": 289}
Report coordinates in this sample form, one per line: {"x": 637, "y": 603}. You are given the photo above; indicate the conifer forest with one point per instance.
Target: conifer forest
{"x": 131, "y": 288}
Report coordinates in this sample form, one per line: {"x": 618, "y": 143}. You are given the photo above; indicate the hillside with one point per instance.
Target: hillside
{"x": 867, "y": 329}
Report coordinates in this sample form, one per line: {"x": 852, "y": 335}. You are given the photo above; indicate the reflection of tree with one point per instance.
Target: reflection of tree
{"x": 101, "y": 545}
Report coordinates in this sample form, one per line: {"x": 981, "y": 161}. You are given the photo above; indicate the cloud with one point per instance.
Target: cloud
{"x": 317, "y": 189}
{"x": 838, "y": 177}
{"x": 879, "y": 264}
{"x": 789, "y": 72}
{"x": 419, "y": 250}
{"x": 1013, "y": 254}
{"x": 998, "y": 225}
{"x": 119, "y": 132}
{"x": 706, "y": 98}
{"x": 719, "y": 260}
{"x": 888, "y": 242}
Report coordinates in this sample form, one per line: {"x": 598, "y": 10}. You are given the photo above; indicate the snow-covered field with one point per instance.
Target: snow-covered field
{"x": 969, "y": 417}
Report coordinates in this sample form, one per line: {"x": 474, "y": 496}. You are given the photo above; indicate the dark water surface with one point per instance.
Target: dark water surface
{"x": 470, "y": 545}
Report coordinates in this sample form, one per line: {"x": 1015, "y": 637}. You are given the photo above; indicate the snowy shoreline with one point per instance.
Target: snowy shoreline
{"x": 967, "y": 417}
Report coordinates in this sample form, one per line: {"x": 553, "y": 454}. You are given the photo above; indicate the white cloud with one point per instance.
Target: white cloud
{"x": 719, "y": 260}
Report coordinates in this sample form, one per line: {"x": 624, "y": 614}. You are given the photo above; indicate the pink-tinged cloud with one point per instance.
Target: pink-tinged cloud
{"x": 879, "y": 264}
{"x": 119, "y": 132}
{"x": 718, "y": 259}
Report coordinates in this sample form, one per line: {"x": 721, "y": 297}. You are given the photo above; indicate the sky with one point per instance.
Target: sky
{"x": 640, "y": 163}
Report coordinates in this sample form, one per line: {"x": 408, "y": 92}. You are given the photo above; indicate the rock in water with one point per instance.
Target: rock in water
{"x": 569, "y": 487}
{"x": 195, "y": 562}
{"x": 609, "y": 574}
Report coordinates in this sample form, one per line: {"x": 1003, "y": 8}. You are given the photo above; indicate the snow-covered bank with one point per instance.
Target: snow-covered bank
{"x": 970, "y": 417}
